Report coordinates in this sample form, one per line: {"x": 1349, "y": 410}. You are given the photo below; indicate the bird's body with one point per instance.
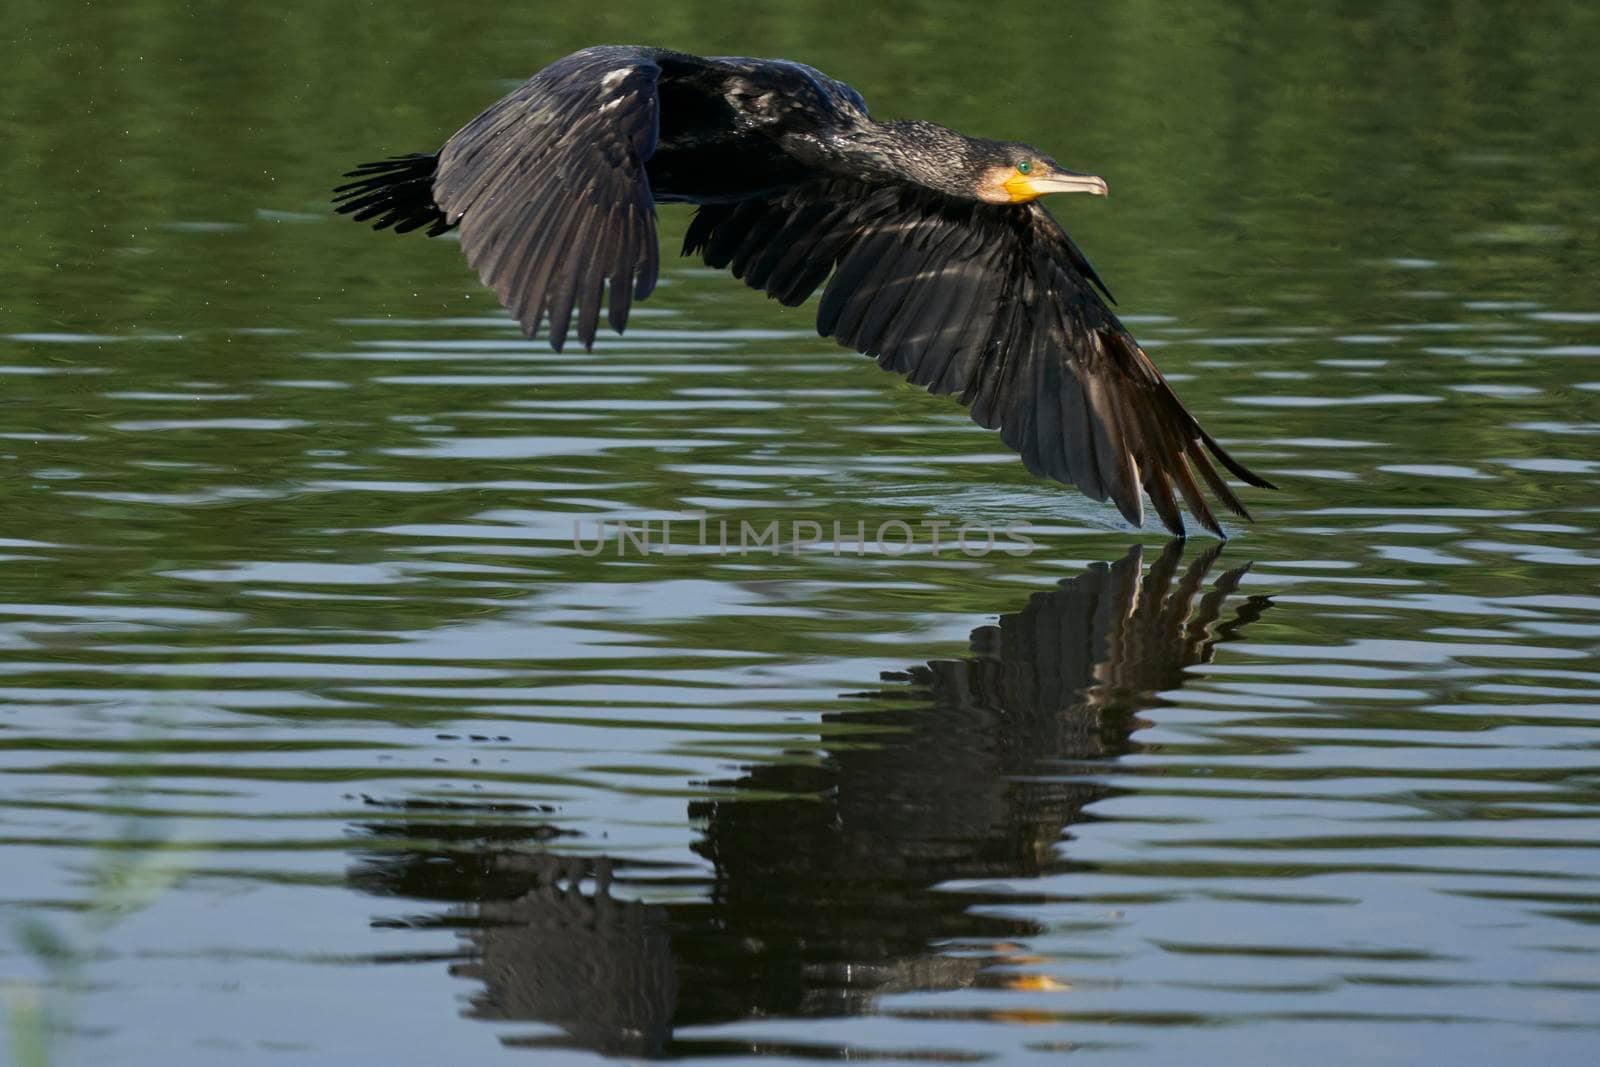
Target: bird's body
{"x": 937, "y": 259}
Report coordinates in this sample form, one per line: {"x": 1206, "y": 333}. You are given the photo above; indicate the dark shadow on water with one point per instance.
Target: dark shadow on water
{"x": 827, "y": 896}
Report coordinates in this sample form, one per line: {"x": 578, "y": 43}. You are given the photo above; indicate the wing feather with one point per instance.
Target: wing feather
{"x": 996, "y": 305}
{"x": 548, "y": 187}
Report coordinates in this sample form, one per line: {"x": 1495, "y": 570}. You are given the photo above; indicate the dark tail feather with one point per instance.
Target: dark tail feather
{"x": 396, "y": 192}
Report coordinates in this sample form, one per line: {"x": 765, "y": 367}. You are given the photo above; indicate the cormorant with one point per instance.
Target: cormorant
{"x": 938, "y": 259}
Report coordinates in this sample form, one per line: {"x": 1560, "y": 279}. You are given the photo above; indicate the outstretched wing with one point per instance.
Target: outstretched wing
{"x": 548, "y": 187}
{"x": 994, "y": 304}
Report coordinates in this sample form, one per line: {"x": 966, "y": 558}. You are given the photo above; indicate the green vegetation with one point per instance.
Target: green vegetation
{"x": 126, "y": 873}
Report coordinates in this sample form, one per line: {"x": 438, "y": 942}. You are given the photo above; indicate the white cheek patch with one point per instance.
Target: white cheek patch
{"x": 614, "y": 77}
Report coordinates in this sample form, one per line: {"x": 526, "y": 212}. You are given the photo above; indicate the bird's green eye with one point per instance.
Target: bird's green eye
{"x": 1024, "y": 167}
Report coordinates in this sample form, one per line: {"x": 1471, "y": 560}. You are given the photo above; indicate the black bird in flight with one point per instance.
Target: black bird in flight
{"x": 932, "y": 251}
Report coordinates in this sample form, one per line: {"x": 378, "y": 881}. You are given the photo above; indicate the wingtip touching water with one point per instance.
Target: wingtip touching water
{"x": 931, "y": 249}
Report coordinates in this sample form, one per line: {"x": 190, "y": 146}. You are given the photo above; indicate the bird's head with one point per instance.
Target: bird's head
{"x": 997, "y": 172}
{"x": 1016, "y": 173}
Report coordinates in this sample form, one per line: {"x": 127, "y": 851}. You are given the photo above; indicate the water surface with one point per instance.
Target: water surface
{"x": 289, "y": 594}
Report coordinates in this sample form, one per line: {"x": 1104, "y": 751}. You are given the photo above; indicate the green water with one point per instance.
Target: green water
{"x": 289, "y": 595}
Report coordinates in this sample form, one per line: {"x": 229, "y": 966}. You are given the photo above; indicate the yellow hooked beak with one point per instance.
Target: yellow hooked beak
{"x": 1025, "y": 187}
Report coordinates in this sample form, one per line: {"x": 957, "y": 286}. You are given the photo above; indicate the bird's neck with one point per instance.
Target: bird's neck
{"x": 907, "y": 152}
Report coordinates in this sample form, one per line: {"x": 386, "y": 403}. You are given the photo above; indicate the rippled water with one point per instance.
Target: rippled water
{"x": 292, "y": 607}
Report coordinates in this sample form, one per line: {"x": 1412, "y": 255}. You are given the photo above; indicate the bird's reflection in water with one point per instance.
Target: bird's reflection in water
{"x": 827, "y": 897}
